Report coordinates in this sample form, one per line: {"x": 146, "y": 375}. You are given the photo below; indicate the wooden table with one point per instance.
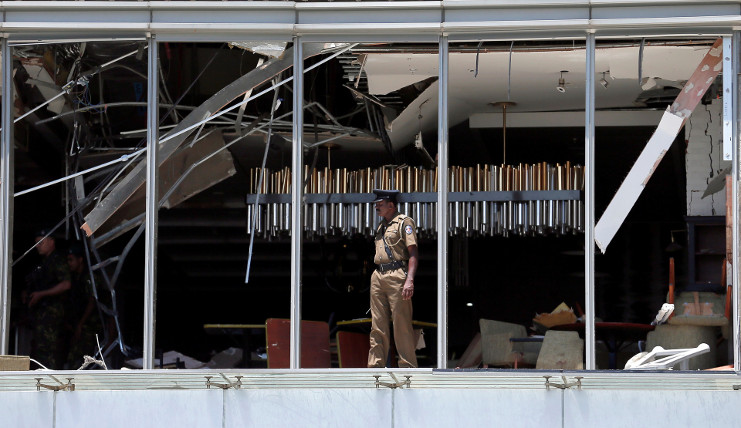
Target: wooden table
{"x": 367, "y": 321}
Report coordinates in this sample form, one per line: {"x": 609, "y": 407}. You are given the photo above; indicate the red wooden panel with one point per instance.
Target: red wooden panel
{"x": 314, "y": 343}
{"x": 352, "y": 349}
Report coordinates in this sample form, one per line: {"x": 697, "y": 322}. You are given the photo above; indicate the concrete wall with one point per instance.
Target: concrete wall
{"x": 704, "y": 161}
{"x": 368, "y": 407}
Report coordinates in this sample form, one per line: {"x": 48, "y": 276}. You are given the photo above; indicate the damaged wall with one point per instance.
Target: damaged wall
{"x": 704, "y": 161}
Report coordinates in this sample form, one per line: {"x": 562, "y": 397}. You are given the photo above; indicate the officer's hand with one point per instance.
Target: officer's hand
{"x": 34, "y": 298}
{"x": 408, "y": 290}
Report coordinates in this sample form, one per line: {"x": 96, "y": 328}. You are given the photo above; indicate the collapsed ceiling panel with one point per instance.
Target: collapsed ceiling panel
{"x": 136, "y": 178}
{"x": 265, "y": 48}
{"x": 391, "y": 72}
{"x": 39, "y": 77}
{"x": 478, "y": 80}
{"x": 186, "y": 173}
{"x": 666, "y": 62}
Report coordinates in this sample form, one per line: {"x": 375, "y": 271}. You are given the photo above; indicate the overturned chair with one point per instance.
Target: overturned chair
{"x": 665, "y": 359}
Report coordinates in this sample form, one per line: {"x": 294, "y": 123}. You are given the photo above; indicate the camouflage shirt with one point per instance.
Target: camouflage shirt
{"x": 52, "y": 270}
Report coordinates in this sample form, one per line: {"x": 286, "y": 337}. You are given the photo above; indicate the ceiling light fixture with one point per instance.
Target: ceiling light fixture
{"x": 604, "y": 81}
{"x": 561, "y": 87}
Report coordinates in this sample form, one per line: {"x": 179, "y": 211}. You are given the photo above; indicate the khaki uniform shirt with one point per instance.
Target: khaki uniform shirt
{"x": 399, "y": 234}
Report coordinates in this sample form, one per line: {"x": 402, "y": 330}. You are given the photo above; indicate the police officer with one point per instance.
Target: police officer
{"x": 392, "y": 283}
{"x": 47, "y": 288}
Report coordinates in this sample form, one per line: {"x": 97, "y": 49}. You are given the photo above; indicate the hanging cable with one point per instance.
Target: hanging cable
{"x": 478, "y": 50}
{"x": 123, "y": 158}
{"x": 640, "y": 61}
{"x": 275, "y": 105}
{"x": 509, "y": 72}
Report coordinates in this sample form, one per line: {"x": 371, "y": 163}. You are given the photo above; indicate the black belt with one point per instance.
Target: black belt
{"x": 385, "y": 267}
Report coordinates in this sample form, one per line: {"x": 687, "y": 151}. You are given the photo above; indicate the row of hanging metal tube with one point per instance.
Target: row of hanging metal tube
{"x": 470, "y": 218}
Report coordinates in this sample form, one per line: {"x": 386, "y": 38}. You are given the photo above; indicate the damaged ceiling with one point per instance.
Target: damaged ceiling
{"x": 367, "y": 104}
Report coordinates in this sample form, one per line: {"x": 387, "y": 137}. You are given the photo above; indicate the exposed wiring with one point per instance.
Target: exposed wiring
{"x": 478, "y": 51}
{"x": 640, "y": 60}
{"x": 509, "y": 71}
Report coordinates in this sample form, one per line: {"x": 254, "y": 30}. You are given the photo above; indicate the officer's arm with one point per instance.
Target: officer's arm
{"x": 408, "y": 290}
{"x": 57, "y": 289}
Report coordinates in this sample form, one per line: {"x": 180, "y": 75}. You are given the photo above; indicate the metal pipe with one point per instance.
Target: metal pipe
{"x": 735, "y": 279}
{"x": 589, "y": 337}
{"x": 152, "y": 204}
{"x": 442, "y": 202}
{"x": 296, "y": 193}
{"x": 6, "y": 191}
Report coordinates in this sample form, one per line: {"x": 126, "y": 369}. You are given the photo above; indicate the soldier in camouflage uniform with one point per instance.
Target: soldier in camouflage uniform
{"x": 84, "y": 317}
{"x": 47, "y": 287}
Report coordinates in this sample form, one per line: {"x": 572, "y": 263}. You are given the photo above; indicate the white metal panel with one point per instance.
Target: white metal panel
{"x": 361, "y": 13}
{"x": 26, "y": 409}
{"x": 126, "y": 409}
{"x": 77, "y": 15}
{"x": 208, "y": 17}
{"x": 215, "y": 15}
{"x": 664, "y": 11}
{"x": 729, "y": 97}
{"x": 477, "y": 407}
{"x": 635, "y": 182}
{"x": 203, "y": 36}
{"x": 308, "y": 407}
{"x": 514, "y": 14}
{"x": 371, "y": 38}
{"x": 637, "y": 408}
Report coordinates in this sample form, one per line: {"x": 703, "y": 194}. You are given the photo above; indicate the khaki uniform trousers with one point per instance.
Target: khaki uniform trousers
{"x": 386, "y": 306}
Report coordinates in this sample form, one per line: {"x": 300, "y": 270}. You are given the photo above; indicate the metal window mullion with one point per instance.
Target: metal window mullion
{"x": 589, "y": 206}
{"x": 7, "y": 183}
{"x": 735, "y": 280}
{"x": 442, "y": 204}
{"x": 296, "y": 193}
{"x": 152, "y": 202}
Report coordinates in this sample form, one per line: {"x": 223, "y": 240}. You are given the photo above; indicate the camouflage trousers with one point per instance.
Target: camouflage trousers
{"x": 49, "y": 335}
{"x": 85, "y": 344}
